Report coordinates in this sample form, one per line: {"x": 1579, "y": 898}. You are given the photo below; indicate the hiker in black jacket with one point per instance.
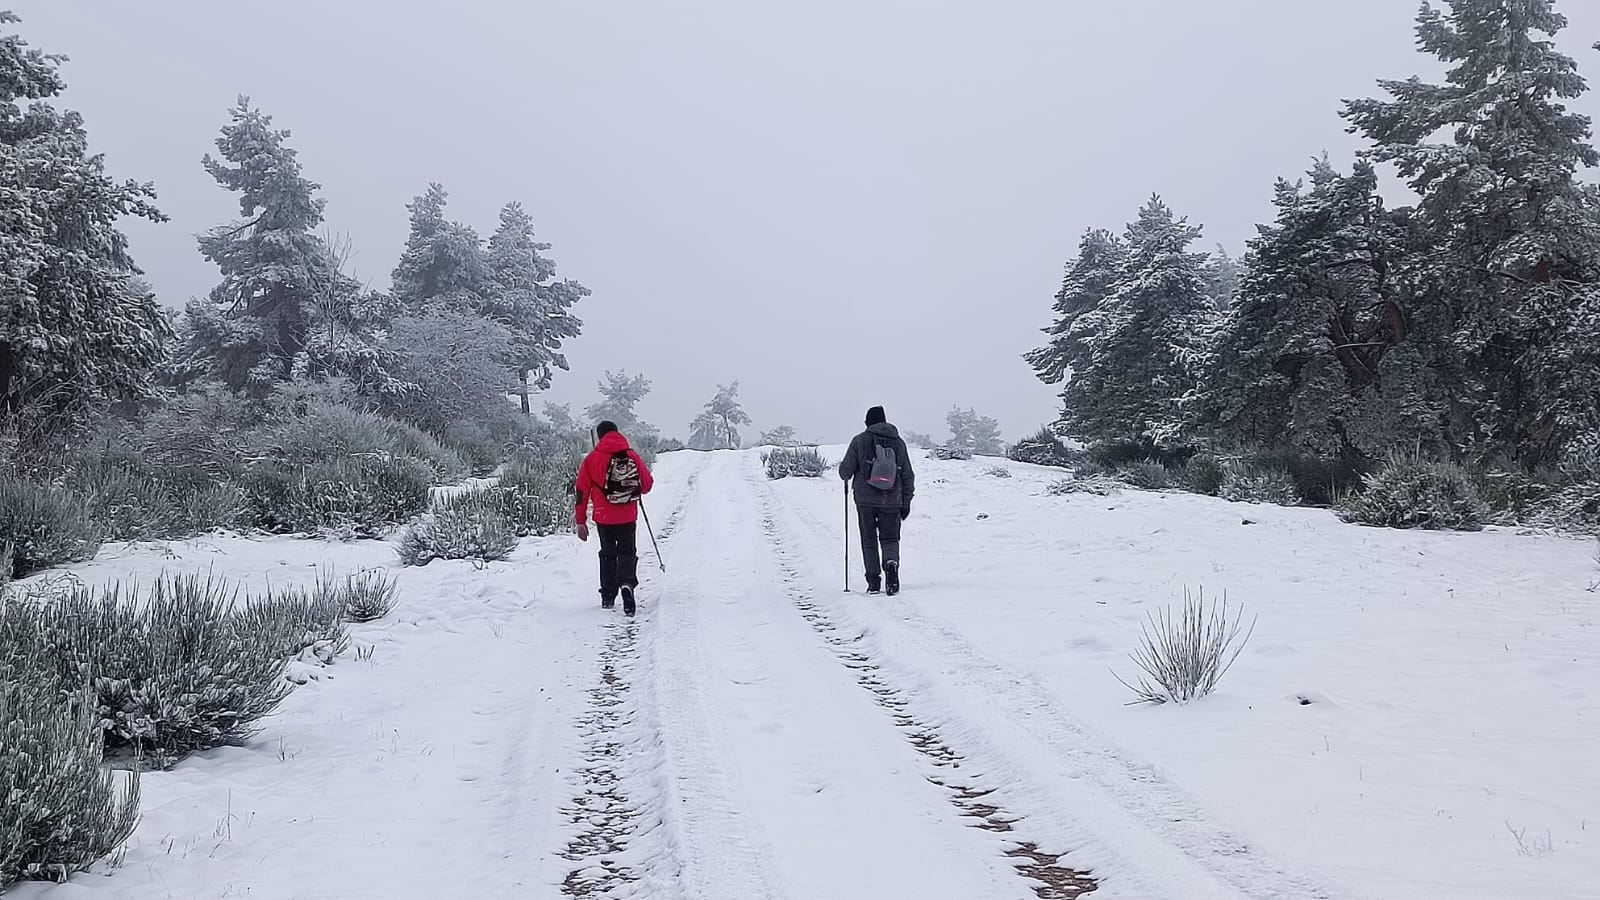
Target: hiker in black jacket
{"x": 883, "y": 496}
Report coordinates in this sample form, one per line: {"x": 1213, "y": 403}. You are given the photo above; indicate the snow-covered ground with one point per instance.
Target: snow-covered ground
{"x": 757, "y": 732}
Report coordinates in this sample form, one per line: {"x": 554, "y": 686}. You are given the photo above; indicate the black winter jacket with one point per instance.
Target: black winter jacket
{"x": 856, "y": 467}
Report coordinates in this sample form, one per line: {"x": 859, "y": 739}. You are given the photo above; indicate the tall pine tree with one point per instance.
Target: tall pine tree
{"x": 77, "y": 326}
{"x": 443, "y": 266}
{"x": 524, "y": 294}
{"x": 255, "y": 327}
{"x": 1090, "y": 278}
{"x": 1140, "y": 344}
{"x": 1504, "y": 301}
{"x": 1312, "y": 357}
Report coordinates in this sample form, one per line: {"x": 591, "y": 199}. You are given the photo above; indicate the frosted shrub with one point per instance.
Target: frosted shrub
{"x": 1575, "y": 507}
{"x": 794, "y": 462}
{"x": 326, "y": 432}
{"x": 998, "y": 472}
{"x": 1244, "y": 483}
{"x": 1042, "y": 448}
{"x": 174, "y": 672}
{"x": 1407, "y": 492}
{"x": 1205, "y": 474}
{"x": 364, "y": 497}
{"x": 468, "y": 528}
{"x": 290, "y": 621}
{"x": 44, "y": 527}
{"x": 534, "y": 503}
{"x": 1146, "y": 474}
{"x": 1184, "y": 654}
{"x": 60, "y": 809}
{"x": 477, "y": 445}
{"x": 131, "y": 500}
{"x": 368, "y": 596}
{"x": 1096, "y": 485}
{"x": 949, "y": 452}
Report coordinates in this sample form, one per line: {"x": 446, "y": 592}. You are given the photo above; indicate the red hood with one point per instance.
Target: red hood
{"x": 613, "y": 443}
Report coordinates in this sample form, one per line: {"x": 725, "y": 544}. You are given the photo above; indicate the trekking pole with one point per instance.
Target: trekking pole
{"x": 847, "y": 537}
{"x": 659, "y": 561}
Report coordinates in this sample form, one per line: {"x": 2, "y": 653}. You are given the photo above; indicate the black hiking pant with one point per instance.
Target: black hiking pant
{"x": 619, "y": 558}
{"x": 879, "y": 528}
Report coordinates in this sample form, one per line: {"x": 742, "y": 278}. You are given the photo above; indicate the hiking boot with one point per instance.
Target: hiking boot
{"x": 607, "y": 602}
{"x": 874, "y": 586}
{"x": 891, "y": 578}
{"x": 628, "y": 606}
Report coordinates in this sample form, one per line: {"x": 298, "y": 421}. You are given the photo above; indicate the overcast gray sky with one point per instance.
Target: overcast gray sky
{"x": 836, "y": 202}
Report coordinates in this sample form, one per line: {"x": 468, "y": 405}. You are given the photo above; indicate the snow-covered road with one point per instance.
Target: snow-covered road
{"x": 758, "y": 733}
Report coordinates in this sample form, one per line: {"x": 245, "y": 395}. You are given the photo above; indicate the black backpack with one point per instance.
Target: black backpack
{"x": 622, "y": 480}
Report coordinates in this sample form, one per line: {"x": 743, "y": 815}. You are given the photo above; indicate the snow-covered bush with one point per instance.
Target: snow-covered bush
{"x": 1515, "y": 497}
{"x": 469, "y": 527}
{"x": 1097, "y": 485}
{"x": 1146, "y": 475}
{"x": 180, "y": 670}
{"x": 476, "y": 445}
{"x": 1205, "y": 474}
{"x": 1575, "y": 507}
{"x": 131, "y": 500}
{"x": 60, "y": 809}
{"x": 950, "y": 452}
{"x": 794, "y": 462}
{"x": 368, "y": 596}
{"x": 362, "y": 497}
{"x": 1408, "y": 492}
{"x": 1184, "y": 654}
{"x": 325, "y": 432}
{"x": 534, "y": 501}
{"x": 1246, "y": 483}
{"x": 1317, "y": 481}
{"x": 670, "y": 445}
{"x": 998, "y": 472}
{"x": 44, "y": 526}
{"x": 293, "y": 620}
{"x": 1042, "y": 448}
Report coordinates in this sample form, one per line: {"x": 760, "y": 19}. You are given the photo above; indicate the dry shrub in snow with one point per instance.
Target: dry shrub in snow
{"x": 1205, "y": 474}
{"x": 1145, "y": 474}
{"x": 998, "y": 472}
{"x": 1095, "y": 484}
{"x": 1184, "y": 655}
{"x": 1407, "y": 492}
{"x": 184, "y": 667}
{"x": 44, "y": 526}
{"x": 794, "y": 462}
{"x": 368, "y": 596}
{"x": 363, "y": 497}
{"x": 1575, "y": 507}
{"x": 132, "y": 500}
{"x": 1042, "y": 448}
{"x": 1247, "y": 483}
{"x": 470, "y": 526}
{"x": 60, "y": 809}
{"x": 949, "y": 453}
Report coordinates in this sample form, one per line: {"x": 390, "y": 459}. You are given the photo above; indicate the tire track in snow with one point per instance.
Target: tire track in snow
{"x": 608, "y": 820}
{"x": 1048, "y": 878}
{"x": 1129, "y": 799}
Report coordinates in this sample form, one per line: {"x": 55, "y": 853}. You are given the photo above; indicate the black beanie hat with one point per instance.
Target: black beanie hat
{"x": 605, "y": 428}
{"x": 875, "y": 416}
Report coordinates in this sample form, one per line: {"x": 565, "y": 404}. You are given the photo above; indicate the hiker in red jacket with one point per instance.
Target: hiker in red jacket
{"x": 613, "y": 478}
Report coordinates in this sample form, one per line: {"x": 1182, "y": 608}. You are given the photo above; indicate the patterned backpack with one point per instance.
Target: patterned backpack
{"x": 622, "y": 479}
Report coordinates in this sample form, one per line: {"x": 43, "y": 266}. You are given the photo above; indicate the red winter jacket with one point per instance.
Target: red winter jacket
{"x": 592, "y": 483}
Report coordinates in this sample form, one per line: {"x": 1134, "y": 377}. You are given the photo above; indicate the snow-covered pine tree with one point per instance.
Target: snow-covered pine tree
{"x": 1222, "y": 278}
{"x": 716, "y": 428}
{"x": 279, "y": 278}
{"x": 619, "y": 394}
{"x": 1505, "y": 300}
{"x": 1296, "y": 362}
{"x": 974, "y": 435}
{"x": 524, "y": 294}
{"x": 782, "y": 436}
{"x": 77, "y": 327}
{"x": 1141, "y": 343}
{"x": 1089, "y": 279}
{"x": 444, "y": 266}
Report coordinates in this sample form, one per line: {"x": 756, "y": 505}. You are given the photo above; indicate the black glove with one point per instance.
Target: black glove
{"x": 905, "y": 512}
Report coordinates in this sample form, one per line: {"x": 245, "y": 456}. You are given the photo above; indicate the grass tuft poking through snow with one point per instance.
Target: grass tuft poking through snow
{"x": 368, "y": 596}
{"x": 1184, "y": 655}
{"x": 794, "y": 462}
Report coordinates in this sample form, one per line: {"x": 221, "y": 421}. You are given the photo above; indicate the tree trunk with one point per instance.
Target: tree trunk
{"x": 522, "y": 387}
{"x": 8, "y": 368}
